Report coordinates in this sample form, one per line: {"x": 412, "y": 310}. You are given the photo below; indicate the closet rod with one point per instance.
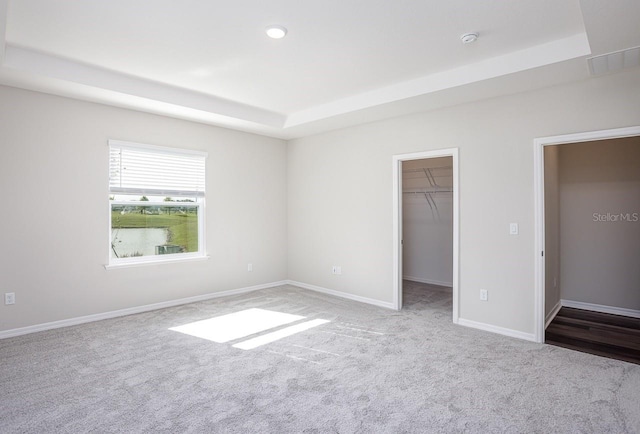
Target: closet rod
{"x": 427, "y": 191}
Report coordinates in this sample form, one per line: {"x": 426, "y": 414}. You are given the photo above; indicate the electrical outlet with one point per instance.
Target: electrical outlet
{"x": 484, "y": 295}
{"x": 10, "y": 298}
{"x": 249, "y": 267}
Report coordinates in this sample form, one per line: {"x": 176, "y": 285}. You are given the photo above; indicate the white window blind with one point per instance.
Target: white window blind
{"x": 155, "y": 170}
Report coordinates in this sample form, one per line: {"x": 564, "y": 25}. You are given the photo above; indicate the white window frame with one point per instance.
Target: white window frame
{"x": 199, "y": 204}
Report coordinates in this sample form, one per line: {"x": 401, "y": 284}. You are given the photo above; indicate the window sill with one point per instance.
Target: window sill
{"x": 155, "y": 262}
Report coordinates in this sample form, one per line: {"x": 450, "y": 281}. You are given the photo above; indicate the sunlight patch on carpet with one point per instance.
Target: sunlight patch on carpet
{"x": 236, "y": 325}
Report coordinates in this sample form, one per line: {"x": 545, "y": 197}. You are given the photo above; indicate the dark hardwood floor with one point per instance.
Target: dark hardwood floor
{"x": 614, "y": 336}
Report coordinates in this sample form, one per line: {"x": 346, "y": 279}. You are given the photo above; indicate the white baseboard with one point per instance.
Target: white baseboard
{"x": 601, "y": 308}
{"x": 495, "y": 329}
{"x": 552, "y": 314}
{"x": 131, "y": 310}
{"x": 340, "y": 294}
{"x": 428, "y": 281}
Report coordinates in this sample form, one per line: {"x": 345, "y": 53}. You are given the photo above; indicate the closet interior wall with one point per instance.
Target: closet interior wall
{"x": 599, "y": 234}
{"x": 427, "y": 222}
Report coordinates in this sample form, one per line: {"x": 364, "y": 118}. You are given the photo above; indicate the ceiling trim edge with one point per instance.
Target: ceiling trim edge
{"x": 42, "y": 64}
{"x": 537, "y": 56}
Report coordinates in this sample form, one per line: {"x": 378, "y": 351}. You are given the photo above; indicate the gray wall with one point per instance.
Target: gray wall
{"x": 428, "y": 240}
{"x": 600, "y": 255}
{"x": 340, "y": 192}
{"x": 54, "y": 188}
{"x": 552, "y": 227}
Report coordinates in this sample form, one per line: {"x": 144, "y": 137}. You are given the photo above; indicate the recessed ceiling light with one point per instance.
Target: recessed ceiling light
{"x": 468, "y": 38}
{"x": 276, "y": 32}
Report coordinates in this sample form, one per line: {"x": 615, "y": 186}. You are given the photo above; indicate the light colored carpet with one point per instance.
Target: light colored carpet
{"x": 368, "y": 370}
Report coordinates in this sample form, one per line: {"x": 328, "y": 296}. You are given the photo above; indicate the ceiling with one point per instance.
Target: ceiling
{"x": 343, "y": 62}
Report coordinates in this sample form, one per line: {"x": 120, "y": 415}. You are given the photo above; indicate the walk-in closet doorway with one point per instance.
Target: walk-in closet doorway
{"x": 426, "y": 221}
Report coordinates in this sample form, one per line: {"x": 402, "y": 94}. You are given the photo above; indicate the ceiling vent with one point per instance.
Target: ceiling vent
{"x": 614, "y": 62}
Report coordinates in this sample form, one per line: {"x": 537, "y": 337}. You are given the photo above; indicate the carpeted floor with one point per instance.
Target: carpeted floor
{"x": 367, "y": 370}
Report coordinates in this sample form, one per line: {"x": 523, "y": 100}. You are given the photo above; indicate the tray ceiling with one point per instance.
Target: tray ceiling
{"x": 341, "y": 63}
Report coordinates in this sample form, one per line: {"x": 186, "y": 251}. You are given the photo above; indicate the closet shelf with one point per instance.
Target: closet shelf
{"x": 428, "y": 191}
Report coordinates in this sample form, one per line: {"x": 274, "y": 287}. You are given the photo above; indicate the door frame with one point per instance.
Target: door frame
{"x": 539, "y": 230}
{"x": 397, "y": 222}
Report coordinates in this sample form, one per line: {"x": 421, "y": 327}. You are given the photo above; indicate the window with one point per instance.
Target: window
{"x": 156, "y": 203}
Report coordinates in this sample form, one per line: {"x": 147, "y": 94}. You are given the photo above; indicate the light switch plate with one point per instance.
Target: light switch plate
{"x": 484, "y": 295}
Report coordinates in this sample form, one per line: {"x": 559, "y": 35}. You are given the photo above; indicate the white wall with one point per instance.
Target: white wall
{"x": 340, "y": 192}
{"x": 600, "y": 255}
{"x": 551, "y": 227}
{"x": 53, "y": 185}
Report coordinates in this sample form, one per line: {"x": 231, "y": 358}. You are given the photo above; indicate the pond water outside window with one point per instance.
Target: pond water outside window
{"x": 129, "y": 242}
